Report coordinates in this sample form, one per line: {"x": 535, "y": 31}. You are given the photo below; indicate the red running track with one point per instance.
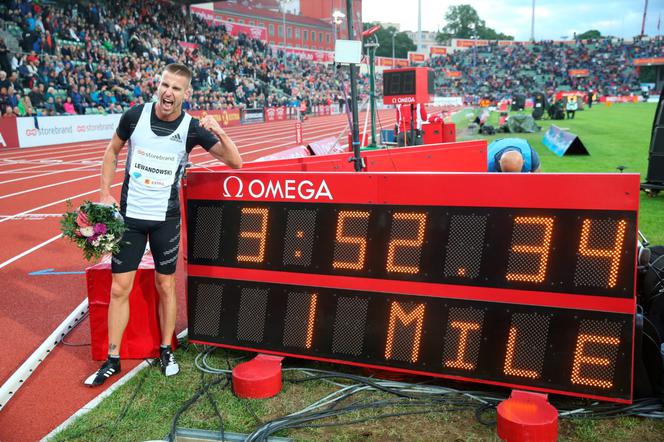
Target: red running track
{"x": 34, "y": 187}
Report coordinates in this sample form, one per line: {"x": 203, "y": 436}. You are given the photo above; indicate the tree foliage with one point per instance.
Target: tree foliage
{"x": 590, "y": 35}
{"x": 402, "y": 42}
{"x": 463, "y": 21}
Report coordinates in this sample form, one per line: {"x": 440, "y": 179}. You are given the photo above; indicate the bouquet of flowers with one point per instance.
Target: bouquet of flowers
{"x": 95, "y": 228}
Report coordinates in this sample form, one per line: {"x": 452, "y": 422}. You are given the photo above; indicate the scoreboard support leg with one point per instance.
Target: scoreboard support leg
{"x": 527, "y": 416}
{"x": 259, "y": 378}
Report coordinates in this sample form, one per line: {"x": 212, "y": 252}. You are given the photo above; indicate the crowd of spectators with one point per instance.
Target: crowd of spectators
{"x": 496, "y": 71}
{"x": 105, "y": 56}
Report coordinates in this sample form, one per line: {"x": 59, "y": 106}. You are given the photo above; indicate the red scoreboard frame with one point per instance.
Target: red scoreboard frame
{"x": 518, "y": 280}
{"x": 408, "y": 86}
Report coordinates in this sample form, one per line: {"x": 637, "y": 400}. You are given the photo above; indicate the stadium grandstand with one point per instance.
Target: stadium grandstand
{"x": 604, "y": 66}
{"x": 101, "y": 57}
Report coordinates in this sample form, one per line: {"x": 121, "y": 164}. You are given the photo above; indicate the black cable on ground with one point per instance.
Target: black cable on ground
{"x": 203, "y": 390}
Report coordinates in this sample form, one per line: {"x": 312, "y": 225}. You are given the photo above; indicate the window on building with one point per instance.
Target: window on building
{"x": 240, "y": 21}
{"x": 281, "y": 31}
{"x": 306, "y": 35}
{"x": 271, "y": 28}
{"x": 297, "y": 33}
{"x": 327, "y": 37}
{"x": 251, "y": 23}
{"x": 320, "y": 37}
{"x": 290, "y": 32}
{"x": 313, "y": 35}
{"x": 230, "y": 20}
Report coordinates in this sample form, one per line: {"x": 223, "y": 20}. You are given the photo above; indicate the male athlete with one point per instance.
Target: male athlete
{"x": 160, "y": 137}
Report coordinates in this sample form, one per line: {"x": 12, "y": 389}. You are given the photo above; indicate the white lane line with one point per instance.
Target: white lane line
{"x": 29, "y": 251}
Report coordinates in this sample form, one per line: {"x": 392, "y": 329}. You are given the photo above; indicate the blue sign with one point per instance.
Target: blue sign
{"x": 562, "y": 142}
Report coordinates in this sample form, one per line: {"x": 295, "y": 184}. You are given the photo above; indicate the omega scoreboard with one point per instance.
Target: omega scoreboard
{"x": 408, "y": 85}
{"x": 519, "y": 280}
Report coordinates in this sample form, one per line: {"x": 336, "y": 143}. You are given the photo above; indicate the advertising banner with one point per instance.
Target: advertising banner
{"x": 309, "y": 54}
{"x": 437, "y": 51}
{"x": 447, "y": 101}
{"x": 619, "y": 99}
{"x": 234, "y": 29}
{"x": 225, "y": 117}
{"x": 468, "y": 43}
{"x": 453, "y": 74}
{"x": 275, "y": 113}
{"x": 8, "y": 134}
{"x": 42, "y": 131}
{"x": 416, "y": 57}
{"x": 252, "y": 115}
{"x": 648, "y": 61}
{"x": 389, "y": 62}
{"x": 578, "y": 72}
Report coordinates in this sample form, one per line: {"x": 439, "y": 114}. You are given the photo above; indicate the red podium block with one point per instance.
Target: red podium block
{"x": 432, "y": 133}
{"x": 142, "y": 336}
{"x": 449, "y": 132}
{"x": 259, "y": 378}
{"x": 526, "y": 417}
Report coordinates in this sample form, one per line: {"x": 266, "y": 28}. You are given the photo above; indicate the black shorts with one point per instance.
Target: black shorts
{"x": 164, "y": 239}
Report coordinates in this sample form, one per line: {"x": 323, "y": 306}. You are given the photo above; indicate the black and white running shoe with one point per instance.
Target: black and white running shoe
{"x": 109, "y": 368}
{"x": 167, "y": 361}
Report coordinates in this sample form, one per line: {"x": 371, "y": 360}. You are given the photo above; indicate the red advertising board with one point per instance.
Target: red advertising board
{"x": 578, "y": 72}
{"x": 453, "y": 74}
{"x": 275, "y": 113}
{"x": 416, "y": 57}
{"x": 8, "y": 133}
{"x": 309, "y": 54}
{"x": 389, "y": 62}
{"x": 468, "y": 43}
{"x": 648, "y": 61}
{"x": 234, "y": 29}
{"x": 437, "y": 50}
{"x": 227, "y": 117}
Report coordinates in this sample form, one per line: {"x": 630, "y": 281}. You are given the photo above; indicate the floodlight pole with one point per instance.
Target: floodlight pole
{"x": 371, "y": 48}
{"x": 356, "y": 158}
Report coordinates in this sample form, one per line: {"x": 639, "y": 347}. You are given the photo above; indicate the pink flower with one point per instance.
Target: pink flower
{"x": 100, "y": 228}
{"x": 82, "y": 219}
{"x": 77, "y": 232}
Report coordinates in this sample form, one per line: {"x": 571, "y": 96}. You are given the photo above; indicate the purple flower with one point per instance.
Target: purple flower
{"x": 93, "y": 238}
{"x": 100, "y": 228}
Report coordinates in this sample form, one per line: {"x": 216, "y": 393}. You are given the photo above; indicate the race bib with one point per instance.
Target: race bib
{"x": 152, "y": 168}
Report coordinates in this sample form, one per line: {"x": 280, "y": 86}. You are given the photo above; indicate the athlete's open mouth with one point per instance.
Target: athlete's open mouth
{"x": 167, "y": 104}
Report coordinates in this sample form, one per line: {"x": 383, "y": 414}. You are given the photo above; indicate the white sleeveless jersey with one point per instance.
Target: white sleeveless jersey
{"x": 154, "y": 167}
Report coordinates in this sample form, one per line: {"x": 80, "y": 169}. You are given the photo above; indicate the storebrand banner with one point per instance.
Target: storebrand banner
{"x": 252, "y": 115}
{"x": 42, "y": 131}
{"x": 8, "y": 135}
{"x": 226, "y": 117}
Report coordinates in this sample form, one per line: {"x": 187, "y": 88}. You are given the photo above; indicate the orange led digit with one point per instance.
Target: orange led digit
{"x": 360, "y": 242}
{"x": 464, "y": 329}
{"x": 312, "y": 318}
{"x": 397, "y": 314}
{"x": 421, "y": 219}
{"x": 256, "y": 235}
{"x": 613, "y": 254}
{"x": 509, "y": 359}
{"x": 580, "y": 359}
{"x": 542, "y": 249}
